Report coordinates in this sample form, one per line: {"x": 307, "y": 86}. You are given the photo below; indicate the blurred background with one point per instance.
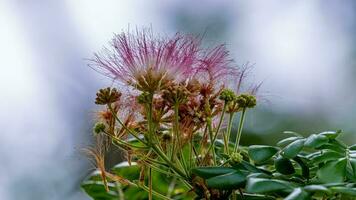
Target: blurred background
{"x": 303, "y": 51}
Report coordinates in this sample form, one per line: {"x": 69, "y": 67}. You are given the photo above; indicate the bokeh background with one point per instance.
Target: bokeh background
{"x": 304, "y": 52}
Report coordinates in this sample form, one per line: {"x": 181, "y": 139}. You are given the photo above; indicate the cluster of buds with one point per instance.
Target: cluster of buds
{"x": 175, "y": 94}
{"x": 236, "y": 157}
{"x": 246, "y": 101}
{"x": 236, "y": 103}
{"x": 227, "y": 95}
{"x": 107, "y": 96}
{"x": 99, "y": 127}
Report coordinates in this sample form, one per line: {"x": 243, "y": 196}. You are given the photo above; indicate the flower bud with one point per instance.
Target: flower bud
{"x": 227, "y": 95}
{"x": 99, "y": 127}
{"x": 246, "y": 101}
{"x": 175, "y": 94}
{"x": 236, "y": 157}
{"x": 107, "y": 95}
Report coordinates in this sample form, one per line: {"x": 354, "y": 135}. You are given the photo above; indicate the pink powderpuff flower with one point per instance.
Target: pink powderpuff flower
{"x": 146, "y": 62}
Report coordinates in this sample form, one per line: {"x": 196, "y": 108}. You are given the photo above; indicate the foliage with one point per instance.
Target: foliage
{"x": 321, "y": 169}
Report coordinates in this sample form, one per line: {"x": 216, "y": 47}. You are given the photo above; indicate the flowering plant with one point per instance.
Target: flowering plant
{"x": 168, "y": 116}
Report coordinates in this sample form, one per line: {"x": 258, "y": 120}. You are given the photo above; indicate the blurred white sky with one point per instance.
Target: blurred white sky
{"x": 302, "y": 51}
{"x": 31, "y": 122}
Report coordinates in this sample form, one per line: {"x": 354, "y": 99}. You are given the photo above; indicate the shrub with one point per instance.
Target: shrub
{"x": 167, "y": 116}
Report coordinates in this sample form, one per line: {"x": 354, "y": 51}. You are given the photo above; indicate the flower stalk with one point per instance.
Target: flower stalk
{"x": 228, "y": 134}
{"x": 239, "y": 130}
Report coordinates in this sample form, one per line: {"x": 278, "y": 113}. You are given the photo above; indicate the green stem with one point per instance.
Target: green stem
{"x": 122, "y": 143}
{"x": 197, "y": 159}
{"x": 212, "y": 142}
{"x": 150, "y": 183}
{"x": 147, "y": 159}
{"x": 119, "y": 191}
{"x": 171, "y": 187}
{"x": 174, "y": 136}
{"x": 212, "y": 146}
{"x": 161, "y": 196}
{"x": 124, "y": 126}
{"x": 229, "y": 127}
{"x": 150, "y": 119}
{"x": 177, "y": 136}
{"x": 202, "y": 147}
{"x": 221, "y": 120}
{"x": 145, "y": 188}
{"x": 160, "y": 169}
{"x": 153, "y": 145}
{"x": 166, "y": 159}
{"x": 226, "y": 143}
{"x": 239, "y": 130}
{"x": 191, "y": 145}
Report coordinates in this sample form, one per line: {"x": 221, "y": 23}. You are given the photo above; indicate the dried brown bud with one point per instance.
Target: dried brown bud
{"x": 107, "y": 96}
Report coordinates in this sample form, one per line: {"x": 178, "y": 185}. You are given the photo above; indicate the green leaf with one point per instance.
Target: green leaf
{"x": 208, "y": 172}
{"x": 126, "y": 171}
{"x": 353, "y": 165}
{"x": 247, "y": 196}
{"x": 219, "y": 143}
{"x": 232, "y": 180}
{"x": 261, "y": 153}
{"x": 344, "y": 190}
{"x": 350, "y": 174}
{"x": 97, "y": 191}
{"x": 331, "y": 134}
{"x": 331, "y": 146}
{"x": 333, "y": 171}
{"x": 293, "y": 148}
{"x": 338, "y": 143}
{"x": 249, "y": 167}
{"x": 261, "y": 185}
{"x": 246, "y": 166}
{"x": 303, "y": 165}
{"x": 315, "y": 141}
{"x": 136, "y": 142}
{"x": 258, "y": 175}
{"x": 284, "y": 166}
{"x": 298, "y": 194}
{"x": 317, "y": 188}
{"x": 353, "y": 147}
{"x": 326, "y": 155}
{"x": 352, "y": 154}
{"x": 353, "y": 185}
{"x": 286, "y": 141}
{"x": 292, "y": 133}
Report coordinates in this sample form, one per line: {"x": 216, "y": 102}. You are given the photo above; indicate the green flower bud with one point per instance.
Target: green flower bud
{"x": 236, "y": 157}
{"x": 252, "y": 102}
{"x": 99, "y": 127}
{"x": 246, "y": 101}
{"x": 227, "y": 95}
